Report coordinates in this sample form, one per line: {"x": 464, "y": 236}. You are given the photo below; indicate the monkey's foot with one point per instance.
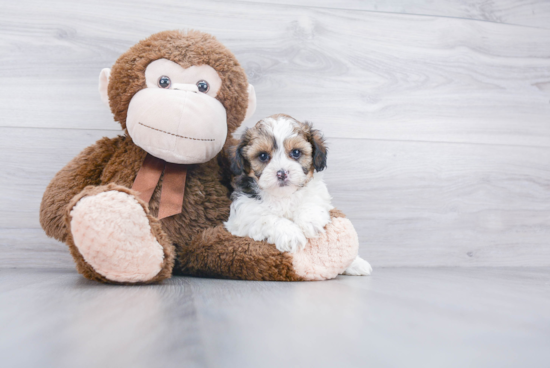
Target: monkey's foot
{"x": 330, "y": 254}
{"x": 117, "y": 238}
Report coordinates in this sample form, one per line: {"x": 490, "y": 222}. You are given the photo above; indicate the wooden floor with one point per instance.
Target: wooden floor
{"x": 398, "y": 317}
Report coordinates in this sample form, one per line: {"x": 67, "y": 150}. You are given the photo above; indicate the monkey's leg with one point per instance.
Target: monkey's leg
{"x": 217, "y": 253}
{"x": 114, "y": 239}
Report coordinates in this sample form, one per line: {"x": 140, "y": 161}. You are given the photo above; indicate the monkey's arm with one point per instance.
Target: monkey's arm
{"x": 217, "y": 253}
{"x": 85, "y": 169}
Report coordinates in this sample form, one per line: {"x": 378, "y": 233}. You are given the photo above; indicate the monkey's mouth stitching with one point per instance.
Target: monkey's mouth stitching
{"x": 179, "y": 136}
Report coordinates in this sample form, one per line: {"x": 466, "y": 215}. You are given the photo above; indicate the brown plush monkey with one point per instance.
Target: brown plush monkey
{"x": 144, "y": 205}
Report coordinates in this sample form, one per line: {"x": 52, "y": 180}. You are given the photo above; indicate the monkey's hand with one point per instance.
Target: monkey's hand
{"x": 330, "y": 253}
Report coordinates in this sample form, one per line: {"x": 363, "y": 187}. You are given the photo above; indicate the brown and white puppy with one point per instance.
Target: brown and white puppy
{"x": 279, "y": 192}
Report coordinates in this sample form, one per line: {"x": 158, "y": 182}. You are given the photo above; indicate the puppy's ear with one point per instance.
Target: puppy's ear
{"x": 237, "y": 157}
{"x": 320, "y": 149}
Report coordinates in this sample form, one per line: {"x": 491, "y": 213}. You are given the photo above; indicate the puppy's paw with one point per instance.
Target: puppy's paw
{"x": 313, "y": 223}
{"x": 311, "y": 229}
{"x": 359, "y": 267}
{"x": 291, "y": 239}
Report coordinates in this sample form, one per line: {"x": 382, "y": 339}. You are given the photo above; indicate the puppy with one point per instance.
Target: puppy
{"x": 279, "y": 192}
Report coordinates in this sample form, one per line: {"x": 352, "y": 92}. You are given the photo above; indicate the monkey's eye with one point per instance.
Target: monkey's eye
{"x": 295, "y": 154}
{"x": 164, "y": 82}
{"x": 203, "y": 86}
{"x": 263, "y": 157}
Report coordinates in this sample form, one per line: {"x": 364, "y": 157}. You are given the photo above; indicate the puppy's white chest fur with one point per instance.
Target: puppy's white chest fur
{"x": 284, "y": 217}
{"x": 292, "y": 205}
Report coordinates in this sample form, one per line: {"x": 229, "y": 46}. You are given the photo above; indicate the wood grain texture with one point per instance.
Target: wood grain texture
{"x": 413, "y": 203}
{"x": 531, "y": 13}
{"x": 398, "y": 317}
{"x": 357, "y": 74}
{"x": 434, "y": 204}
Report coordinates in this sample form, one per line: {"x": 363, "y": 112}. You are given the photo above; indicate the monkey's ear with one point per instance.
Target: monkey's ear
{"x": 103, "y": 84}
{"x": 251, "y": 102}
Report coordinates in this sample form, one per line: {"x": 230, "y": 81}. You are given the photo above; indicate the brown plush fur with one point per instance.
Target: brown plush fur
{"x": 202, "y": 245}
{"x": 236, "y": 258}
{"x": 85, "y": 169}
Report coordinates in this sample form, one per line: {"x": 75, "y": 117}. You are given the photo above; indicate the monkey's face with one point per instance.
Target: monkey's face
{"x": 177, "y": 117}
{"x": 178, "y": 95}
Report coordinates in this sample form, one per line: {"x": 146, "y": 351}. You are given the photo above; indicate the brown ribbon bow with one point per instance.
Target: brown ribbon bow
{"x": 173, "y": 184}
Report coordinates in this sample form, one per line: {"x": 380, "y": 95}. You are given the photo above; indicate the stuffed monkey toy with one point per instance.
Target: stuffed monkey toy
{"x": 151, "y": 202}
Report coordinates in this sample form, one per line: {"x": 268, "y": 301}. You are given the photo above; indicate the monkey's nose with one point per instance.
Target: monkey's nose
{"x": 282, "y": 175}
{"x": 185, "y": 87}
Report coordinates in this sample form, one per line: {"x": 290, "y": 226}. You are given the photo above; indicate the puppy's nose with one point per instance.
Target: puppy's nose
{"x": 282, "y": 174}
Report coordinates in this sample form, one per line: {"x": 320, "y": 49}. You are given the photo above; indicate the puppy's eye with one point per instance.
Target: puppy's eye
{"x": 203, "y": 86}
{"x": 263, "y": 157}
{"x": 295, "y": 154}
{"x": 164, "y": 82}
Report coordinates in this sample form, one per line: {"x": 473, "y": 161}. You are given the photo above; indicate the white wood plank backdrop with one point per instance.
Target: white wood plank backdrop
{"x": 532, "y": 13}
{"x": 439, "y": 123}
